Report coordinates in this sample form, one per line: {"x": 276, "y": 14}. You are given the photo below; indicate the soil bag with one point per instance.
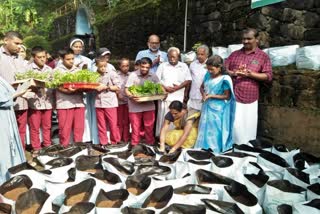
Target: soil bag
{"x": 272, "y": 162}
{"x": 313, "y": 191}
{"x": 192, "y": 189}
{"x": 222, "y": 207}
{"x": 125, "y": 155}
{"x": 143, "y": 152}
{"x": 131, "y": 210}
{"x": 171, "y": 158}
{"x": 261, "y": 144}
{"x": 118, "y": 166}
{"x": 239, "y": 194}
{"x": 297, "y": 177}
{"x": 214, "y": 181}
{"x": 197, "y": 155}
{"x": 159, "y": 197}
{"x": 96, "y": 150}
{"x": 107, "y": 177}
{"x": 283, "y": 56}
{"x": 110, "y": 202}
{"x": 282, "y": 151}
{"x": 223, "y": 166}
{"x": 13, "y": 188}
{"x": 31, "y": 201}
{"x": 256, "y": 184}
{"x": 234, "y": 47}
{"x": 59, "y": 168}
{"x": 184, "y": 209}
{"x": 120, "y": 147}
{"x": 80, "y": 192}
{"x": 82, "y": 208}
{"x": 309, "y": 207}
{"x": 247, "y": 149}
{"x": 304, "y": 160}
{"x": 308, "y": 57}
{"x": 221, "y": 51}
{"x": 284, "y": 209}
{"x": 159, "y": 171}
{"x": 195, "y": 165}
{"x": 87, "y": 164}
{"x": 282, "y": 192}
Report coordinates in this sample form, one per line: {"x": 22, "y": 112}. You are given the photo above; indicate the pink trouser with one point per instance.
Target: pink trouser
{"x": 22, "y": 119}
{"x": 123, "y": 122}
{"x": 70, "y": 119}
{"x": 104, "y": 116}
{"x": 146, "y": 118}
{"x": 37, "y": 119}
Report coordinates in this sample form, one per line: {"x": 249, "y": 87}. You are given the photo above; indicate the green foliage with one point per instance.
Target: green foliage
{"x": 33, "y": 74}
{"x": 196, "y": 45}
{"x": 36, "y": 40}
{"x": 148, "y": 88}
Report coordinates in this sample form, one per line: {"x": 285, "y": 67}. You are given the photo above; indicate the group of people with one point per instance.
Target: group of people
{"x": 210, "y": 104}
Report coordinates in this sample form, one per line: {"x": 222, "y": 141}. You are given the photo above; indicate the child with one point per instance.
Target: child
{"x": 217, "y": 113}
{"x": 106, "y": 103}
{"x": 123, "y": 111}
{"x": 40, "y": 103}
{"x": 145, "y": 111}
{"x": 69, "y": 104}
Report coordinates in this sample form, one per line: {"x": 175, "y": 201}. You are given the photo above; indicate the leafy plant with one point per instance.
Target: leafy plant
{"x": 147, "y": 88}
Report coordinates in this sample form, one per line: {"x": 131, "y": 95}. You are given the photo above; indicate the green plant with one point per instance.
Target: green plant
{"x": 31, "y": 41}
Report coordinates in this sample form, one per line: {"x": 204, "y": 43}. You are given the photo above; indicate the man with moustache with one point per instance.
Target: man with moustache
{"x": 248, "y": 67}
{"x": 153, "y": 52}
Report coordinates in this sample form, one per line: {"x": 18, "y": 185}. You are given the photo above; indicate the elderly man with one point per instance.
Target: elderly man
{"x": 174, "y": 77}
{"x": 198, "y": 69}
{"x": 10, "y": 64}
{"x": 248, "y": 67}
{"x": 153, "y": 52}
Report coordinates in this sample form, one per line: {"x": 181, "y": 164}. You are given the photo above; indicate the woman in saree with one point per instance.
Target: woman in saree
{"x": 218, "y": 109}
{"x": 186, "y": 127}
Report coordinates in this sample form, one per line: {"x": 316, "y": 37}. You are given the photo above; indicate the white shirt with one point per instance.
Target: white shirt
{"x": 198, "y": 71}
{"x": 170, "y": 75}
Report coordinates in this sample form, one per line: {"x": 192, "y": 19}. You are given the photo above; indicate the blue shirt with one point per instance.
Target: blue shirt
{"x": 152, "y": 56}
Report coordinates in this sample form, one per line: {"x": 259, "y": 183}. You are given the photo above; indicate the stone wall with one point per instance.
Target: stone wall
{"x": 289, "y": 110}
{"x": 220, "y": 22}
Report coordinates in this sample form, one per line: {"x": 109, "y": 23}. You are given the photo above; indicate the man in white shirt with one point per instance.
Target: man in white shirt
{"x": 174, "y": 76}
{"x": 198, "y": 69}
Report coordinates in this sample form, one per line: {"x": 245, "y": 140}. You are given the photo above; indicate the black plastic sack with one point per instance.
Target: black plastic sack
{"x": 315, "y": 203}
{"x": 310, "y": 207}
{"x": 199, "y": 154}
{"x": 81, "y": 208}
{"x": 297, "y": 177}
{"x": 117, "y": 146}
{"x": 59, "y": 162}
{"x": 71, "y": 175}
{"x": 123, "y": 154}
{"x": 159, "y": 197}
{"x": 155, "y": 170}
{"x": 240, "y": 194}
{"x": 79, "y": 193}
{"x": 313, "y": 191}
{"x": 88, "y": 163}
{"x": 171, "y": 158}
{"x": 142, "y": 151}
{"x": 192, "y": 189}
{"x": 5, "y": 208}
{"x": 286, "y": 186}
{"x": 14, "y": 187}
{"x": 207, "y": 177}
{"x": 31, "y": 201}
{"x": 137, "y": 184}
{"x": 302, "y": 159}
{"x": 96, "y": 150}
{"x": 69, "y": 152}
{"x": 237, "y": 154}
{"x": 122, "y": 166}
{"x": 107, "y": 177}
{"x": 25, "y": 166}
{"x": 112, "y": 199}
{"x": 261, "y": 144}
{"x": 52, "y": 150}
{"x": 222, "y": 162}
{"x": 222, "y": 206}
{"x": 269, "y": 159}
{"x": 131, "y": 210}
{"x": 259, "y": 179}
{"x": 284, "y": 209}
{"x": 247, "y": 149}
{"x": 184, "y": 209}
{"x": 199, "y": 162}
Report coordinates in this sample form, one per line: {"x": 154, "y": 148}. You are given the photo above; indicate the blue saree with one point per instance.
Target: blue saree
{"x": 217, "y": 116}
